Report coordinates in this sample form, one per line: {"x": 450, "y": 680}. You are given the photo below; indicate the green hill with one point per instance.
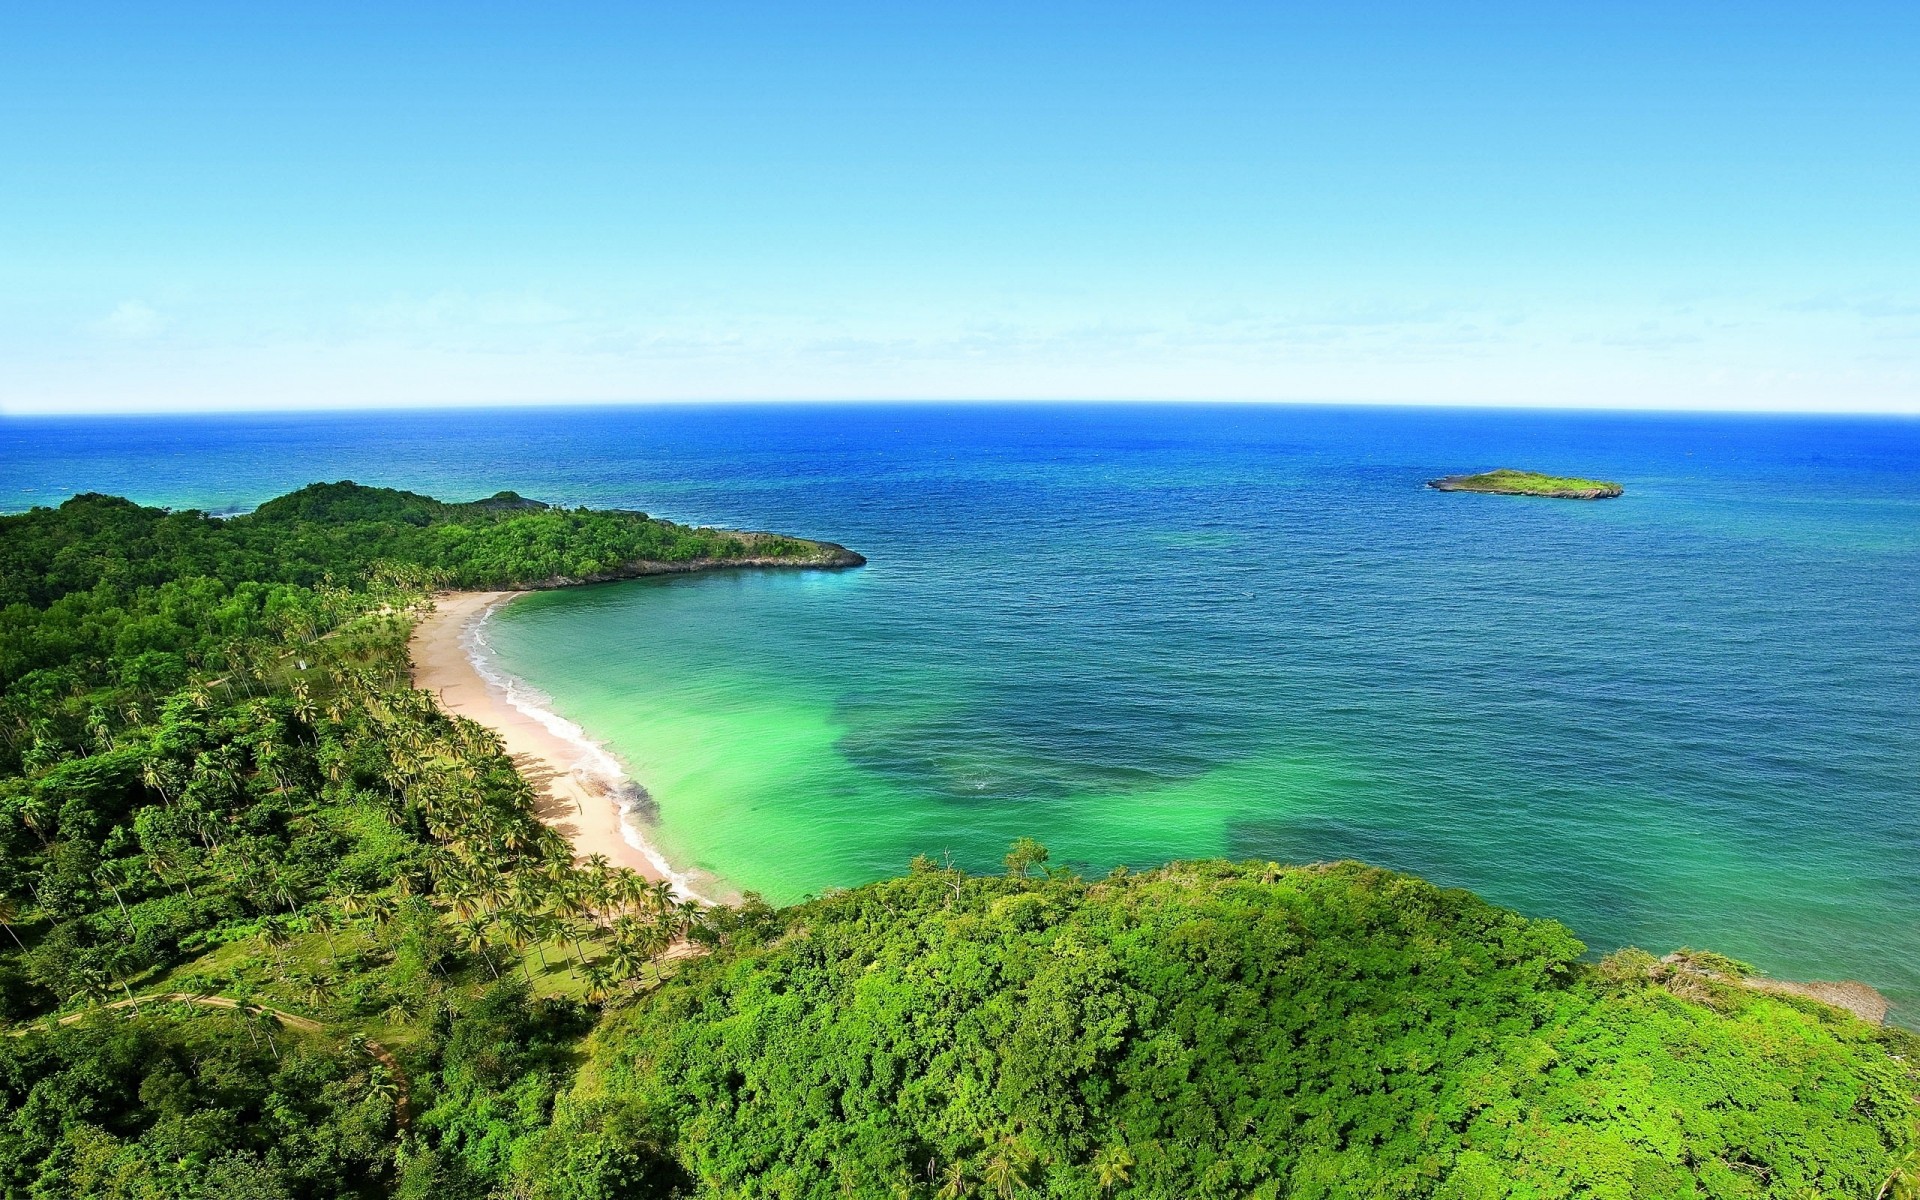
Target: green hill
{"x": 1210, "y": 1029}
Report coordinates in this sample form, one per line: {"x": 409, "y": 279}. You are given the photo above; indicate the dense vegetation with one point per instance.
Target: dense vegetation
{"x": 1209, "y": 1029}
{"x": 216, "y": 781}
{"x": 215, "y": 777}
{"x": 1508, "y": 482}
{"x": 210, "y": 1105}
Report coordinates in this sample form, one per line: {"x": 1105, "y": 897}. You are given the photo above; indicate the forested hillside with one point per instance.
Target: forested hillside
{"x": 216, "y": 782}
{"x": 216, "y": 778}
{"x": 1209, "y": 1029}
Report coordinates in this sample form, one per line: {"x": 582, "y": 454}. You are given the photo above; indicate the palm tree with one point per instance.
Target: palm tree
{"x": 1007, "y": 1171}
{"x": 492, "y": 891}
{"x": 381, "y": 1086}
{"x": 571, "y": 928}
{"x": 689, "y": 916}
{"x": 630, "y": 889}
{"x": 274, "y": 932}
{"x": 37, "y": 814}
{"x": 162, "y": 861}
{"x": 564, "y": 897}
{"x": 956, "y": 1184}
{"x": 269, "y": 758}
{"x": 9, "y": 914}
{"x": 473, "y": 934}
{"x": 649, "y": 939}
{"x": 314, "y": 990}
{"x": 109, "y": 873}
{"x": 304, "y": 709}
{"x": 1904, "y": 1183}
{"x": 154, "y": 773}
{"x": 321, "y": 921}
{"x": 514, "y": 838}
{"x": 624, "y": 963}
{"x": 1110, "y": 1166}
{"x": 521, "y": 932}
{"x": 544, "y": 929}
{"x": 905, "y": 1186}
{"x": 98, "y": 728}
{"x": 90, "y": 985}
{"x": 660, "y": 893}
{"x": 268, "y": 1023}
{"x": 464, "y": 896}
{"x": 1003, "y": 1175}
{"x": 599, "y": 889}
{"x": 526, "y": 892}
{"x": 277, "y": 877}
{"x": 558, "y": 871}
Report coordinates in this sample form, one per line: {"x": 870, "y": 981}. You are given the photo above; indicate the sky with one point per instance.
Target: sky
{"x": 1671, "y": 205}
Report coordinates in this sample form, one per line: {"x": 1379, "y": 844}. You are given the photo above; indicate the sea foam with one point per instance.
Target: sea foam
{"x": 597, "y": 769}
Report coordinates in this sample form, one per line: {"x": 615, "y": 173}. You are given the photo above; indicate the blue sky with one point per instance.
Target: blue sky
{"x": 263, "y": 206}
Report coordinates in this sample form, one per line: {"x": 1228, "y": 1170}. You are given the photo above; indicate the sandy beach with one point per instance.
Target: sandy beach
{"x": 574, "y": 798}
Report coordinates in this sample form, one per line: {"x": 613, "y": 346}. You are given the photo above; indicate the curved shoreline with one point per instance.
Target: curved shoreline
{"x": 582, "y": 791}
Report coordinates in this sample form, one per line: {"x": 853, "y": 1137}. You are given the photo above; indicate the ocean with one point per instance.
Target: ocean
{"x": 1690, "y": 716}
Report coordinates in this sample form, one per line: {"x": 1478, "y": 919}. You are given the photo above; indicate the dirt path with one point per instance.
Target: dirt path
{"x": 402, "y": 1103}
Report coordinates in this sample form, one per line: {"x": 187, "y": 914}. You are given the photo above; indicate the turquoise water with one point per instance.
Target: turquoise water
{"x": 1691, "y": 716}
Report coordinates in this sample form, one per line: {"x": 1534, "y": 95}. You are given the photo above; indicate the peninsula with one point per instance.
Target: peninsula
{"x": 1509, "y": 482}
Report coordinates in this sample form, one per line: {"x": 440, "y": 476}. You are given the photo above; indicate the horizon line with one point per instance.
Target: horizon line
{"x": 8, "y": 412}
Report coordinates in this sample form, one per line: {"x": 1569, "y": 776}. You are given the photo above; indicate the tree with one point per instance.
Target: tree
{"x": 321, "y": 921}
{"x": 1006, "y": 1170}
{"x": 522, "y": 931}
{"x": 956, "y": 1183}
{"x": 1024, "y": 853}
{"x": 90, "y": 985}
{"x": 599, "y": 982}
{"x": 1111, "y": 1165}
{"x": 276, "y": 935}
{"x": 314, "y": 990}
{"x": 9, "y": 916}
{"x": 474, "y": 936}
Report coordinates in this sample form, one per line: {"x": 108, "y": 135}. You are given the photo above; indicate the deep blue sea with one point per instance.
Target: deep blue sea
{"x": 1690, "y": 716}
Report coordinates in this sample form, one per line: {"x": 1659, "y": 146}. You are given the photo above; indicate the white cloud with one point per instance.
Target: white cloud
{"x": 134, "y": 320}
{"x": 524, "y": 345}
{"x": 465, "y": 312}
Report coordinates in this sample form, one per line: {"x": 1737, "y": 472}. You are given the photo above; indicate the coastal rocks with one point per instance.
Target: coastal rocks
{"x": 1508, "y": 482}
{"x": 1683, "y": 970}
{"x": 1857, "y": 998}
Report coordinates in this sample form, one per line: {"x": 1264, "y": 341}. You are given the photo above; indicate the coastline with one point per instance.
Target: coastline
{"x": 581, "y": 791}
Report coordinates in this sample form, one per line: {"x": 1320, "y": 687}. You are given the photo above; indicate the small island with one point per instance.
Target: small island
{"x": 1508, "y": 482}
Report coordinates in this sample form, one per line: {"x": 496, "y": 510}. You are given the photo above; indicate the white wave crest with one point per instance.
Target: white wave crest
{"x": 594, "y": 766}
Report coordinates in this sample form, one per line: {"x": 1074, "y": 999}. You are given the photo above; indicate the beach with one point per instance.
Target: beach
{"x": 580, "y": 791}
